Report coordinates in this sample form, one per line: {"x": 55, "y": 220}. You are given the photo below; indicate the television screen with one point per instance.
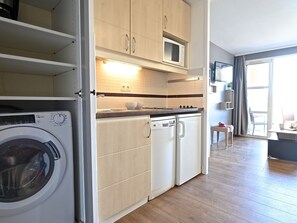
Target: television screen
{"x": 223, "y": 72}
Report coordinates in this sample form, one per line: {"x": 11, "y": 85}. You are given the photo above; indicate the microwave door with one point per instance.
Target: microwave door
{"x": 175, "y": 53}
{"x": 171, "y": 53}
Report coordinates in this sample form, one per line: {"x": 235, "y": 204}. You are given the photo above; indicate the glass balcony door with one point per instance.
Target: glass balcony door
{"x": 258, "y": 94}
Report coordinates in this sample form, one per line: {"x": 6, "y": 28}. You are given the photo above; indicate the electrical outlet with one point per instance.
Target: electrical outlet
{"x": 128, "y": 88}
{"x": 125, "y": 87}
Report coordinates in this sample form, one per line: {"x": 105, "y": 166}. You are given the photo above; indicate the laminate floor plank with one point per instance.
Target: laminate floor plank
{"x": 260, "y": 196}
{"x": 264, "y": 191}
{"x": 233, "y": 206}
{"x": 285, "y": 186}
{"x": 243, "y": 185}
{"x": 187, "y": 204}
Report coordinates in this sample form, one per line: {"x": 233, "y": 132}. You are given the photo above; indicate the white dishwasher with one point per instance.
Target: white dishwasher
{"x": 163, "y": 154}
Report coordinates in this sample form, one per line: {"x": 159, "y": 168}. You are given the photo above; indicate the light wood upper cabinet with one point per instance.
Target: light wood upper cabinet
{"x": 146, "y": 29}
{"x": 177, "y": 19}
{"x": 112, "y": 24}
{"x": 130, "y": 26}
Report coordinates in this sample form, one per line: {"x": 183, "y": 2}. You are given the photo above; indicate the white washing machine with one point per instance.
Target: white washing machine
{"x": 36, "y": 168}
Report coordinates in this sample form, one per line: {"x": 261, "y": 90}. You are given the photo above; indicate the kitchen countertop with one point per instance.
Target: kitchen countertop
{"x": 152, "y": 112}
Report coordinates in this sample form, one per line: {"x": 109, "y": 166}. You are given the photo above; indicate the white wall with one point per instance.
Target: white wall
{"x": 215, "y": 113}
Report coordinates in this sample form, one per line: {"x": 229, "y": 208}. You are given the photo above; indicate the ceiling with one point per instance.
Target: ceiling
{"x": 249, "y": 26}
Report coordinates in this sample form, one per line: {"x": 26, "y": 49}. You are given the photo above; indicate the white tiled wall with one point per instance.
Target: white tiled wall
{"x": 185, "y": 88}
{"x": 149, "y": 82}
{"x": 119, "y": 102}
{"x": 144, "y": 82}
{"x": 190, "y": 101}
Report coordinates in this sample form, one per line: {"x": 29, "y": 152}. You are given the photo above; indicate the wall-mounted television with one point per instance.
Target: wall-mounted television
{"x": 223, "y": 72}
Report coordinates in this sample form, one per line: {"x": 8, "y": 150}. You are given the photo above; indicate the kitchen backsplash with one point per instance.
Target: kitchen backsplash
{"x": 185, "y": 93}
{"x": 148, "y": 86}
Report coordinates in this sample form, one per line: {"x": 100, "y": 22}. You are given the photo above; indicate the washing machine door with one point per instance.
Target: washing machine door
{"x": 32, "y": 164}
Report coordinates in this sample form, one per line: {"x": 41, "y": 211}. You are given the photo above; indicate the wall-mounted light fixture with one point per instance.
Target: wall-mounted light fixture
{"x": 120, "y": 68}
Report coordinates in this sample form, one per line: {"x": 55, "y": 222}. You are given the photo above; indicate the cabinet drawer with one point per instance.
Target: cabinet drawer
{"x": 123, "y": 165}
{"x": 120, "y": 196}
{"x": 120, "y": 134}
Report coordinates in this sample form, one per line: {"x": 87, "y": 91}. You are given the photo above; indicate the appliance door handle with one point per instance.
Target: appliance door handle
{"x": 182, "y": 127}
{"x": 149, "y": 131}
{"x": 54, "y": 150}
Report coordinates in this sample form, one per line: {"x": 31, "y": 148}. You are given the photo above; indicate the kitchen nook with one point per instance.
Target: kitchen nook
{"x": 150, "y": 86}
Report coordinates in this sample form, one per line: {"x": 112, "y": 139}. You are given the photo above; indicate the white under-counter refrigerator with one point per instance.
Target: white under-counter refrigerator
{"x": 188, "y": 148}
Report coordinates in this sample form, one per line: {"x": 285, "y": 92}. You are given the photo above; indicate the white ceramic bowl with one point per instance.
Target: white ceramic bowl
{"x": 139, "y": 105}
{"x": 131, "y": 105}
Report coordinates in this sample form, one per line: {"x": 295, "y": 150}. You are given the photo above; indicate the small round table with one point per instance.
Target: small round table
{"x": 227, "y": 129}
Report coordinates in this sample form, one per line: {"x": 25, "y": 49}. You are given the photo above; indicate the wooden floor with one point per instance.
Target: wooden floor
{"x": 242, "y": 186}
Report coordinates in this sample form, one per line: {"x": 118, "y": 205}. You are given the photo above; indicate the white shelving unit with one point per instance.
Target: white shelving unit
{"x": 41, "y": 57}
{"x": 36, "y": 48}
{"x": 40, "y": 69}
{"x": 229, "y": 100}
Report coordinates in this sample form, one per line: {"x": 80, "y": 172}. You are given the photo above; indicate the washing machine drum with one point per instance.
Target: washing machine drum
{"x": 32, "y": 164}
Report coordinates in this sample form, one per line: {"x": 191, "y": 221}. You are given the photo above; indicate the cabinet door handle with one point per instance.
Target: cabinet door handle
{"x": 150, "y": 130}
{"x": 165, "y": 22}
{"x": 133, "y": 44}
{"x": 127, "y": 42}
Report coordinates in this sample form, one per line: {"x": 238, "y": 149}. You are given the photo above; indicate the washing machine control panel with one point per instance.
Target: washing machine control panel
{"x": 55, "y": 119}
{"x": 17, "y": 119}
{"x": 40, "y": 119}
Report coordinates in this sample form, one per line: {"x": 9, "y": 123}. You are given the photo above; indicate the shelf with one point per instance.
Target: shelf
{"x": 47, "y": 5}
{"x": 229, "y": 100}
{"x": 33, "y": 98}
{"x": 25, "y": 65}
{"x": 212, "y": 88}
{"x": 19, "y": 35}
{"x": 226, "y": 105}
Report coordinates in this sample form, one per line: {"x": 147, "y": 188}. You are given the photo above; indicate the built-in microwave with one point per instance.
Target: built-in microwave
{"x": 173, "y": 52}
